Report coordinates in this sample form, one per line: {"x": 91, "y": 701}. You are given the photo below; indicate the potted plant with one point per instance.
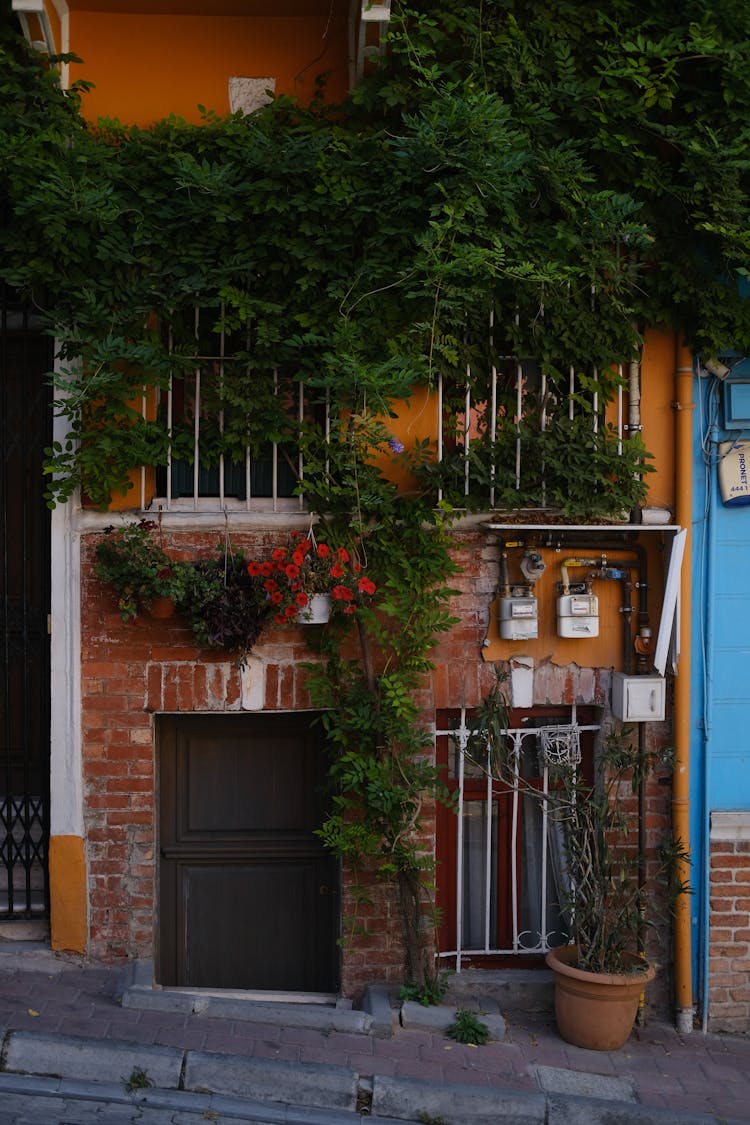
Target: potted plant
{"x": 227, "y": 607}
{"x": 614, "y": 888}
{"x": 305, "y": 580}
{"x": 132, "y": 560}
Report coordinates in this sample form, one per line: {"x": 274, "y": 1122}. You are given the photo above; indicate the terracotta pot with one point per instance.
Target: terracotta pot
{"x": 595, "y": 1010}
{"x": 317, "y": 611}
{"x": 162, "y": 607}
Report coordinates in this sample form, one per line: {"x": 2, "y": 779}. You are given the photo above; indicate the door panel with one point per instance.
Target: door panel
{"x": 248, "y": 895}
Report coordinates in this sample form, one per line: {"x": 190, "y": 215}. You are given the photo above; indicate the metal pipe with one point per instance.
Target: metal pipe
{"x": 683, "y": 405}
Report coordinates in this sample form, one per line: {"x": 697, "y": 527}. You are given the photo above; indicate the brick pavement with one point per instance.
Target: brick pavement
{"x": 694, "y": 1073}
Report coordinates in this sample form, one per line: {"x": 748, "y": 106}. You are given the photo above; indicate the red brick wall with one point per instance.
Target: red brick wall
{"x": 132, "y": 672}
{"x": 729, "y": 937}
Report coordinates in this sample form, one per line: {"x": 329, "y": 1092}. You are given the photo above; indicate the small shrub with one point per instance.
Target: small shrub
{"x": 468, "y": 1028}
{"x": 428, "y": 994}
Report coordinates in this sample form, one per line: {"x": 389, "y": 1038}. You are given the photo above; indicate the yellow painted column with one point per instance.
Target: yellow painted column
{"x": 68, "y": 909}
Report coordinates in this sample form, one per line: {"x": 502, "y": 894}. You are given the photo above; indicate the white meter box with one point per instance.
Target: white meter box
{"x": 578, "y": 615}
{"x": 518, "y": 618}
{"x": 638, "y": 699}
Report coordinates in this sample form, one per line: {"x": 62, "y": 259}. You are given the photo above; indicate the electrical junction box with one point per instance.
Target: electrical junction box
{"x": 638, "y": 699}
{"x": 578, "y": 615}
{"x": 736, "y": 396}
{"x": 518, "y": 618}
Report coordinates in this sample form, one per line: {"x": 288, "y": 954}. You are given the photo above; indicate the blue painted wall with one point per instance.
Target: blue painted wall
{"x": 720, "y": 654}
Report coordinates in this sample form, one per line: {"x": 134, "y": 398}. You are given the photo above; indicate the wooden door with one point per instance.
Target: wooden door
{"x": 248, "y": 895}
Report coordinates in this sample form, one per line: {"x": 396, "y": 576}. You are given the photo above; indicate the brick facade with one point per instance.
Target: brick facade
{"x": 729, "y": 904}
{"x": 133, "y": 672}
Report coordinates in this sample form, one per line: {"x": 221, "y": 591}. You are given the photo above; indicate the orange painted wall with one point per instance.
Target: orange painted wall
{"x": 146, "y": 67}
{"x": 658, "y": 416}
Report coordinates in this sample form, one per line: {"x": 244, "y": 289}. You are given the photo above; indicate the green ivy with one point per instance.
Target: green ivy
{"x": 582, "y": 173}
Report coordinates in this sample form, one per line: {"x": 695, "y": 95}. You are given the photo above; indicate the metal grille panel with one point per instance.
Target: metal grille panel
{"x": 26, "y": 355}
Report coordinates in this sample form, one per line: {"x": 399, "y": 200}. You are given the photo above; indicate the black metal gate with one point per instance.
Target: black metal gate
{"x": 26, "y": 356}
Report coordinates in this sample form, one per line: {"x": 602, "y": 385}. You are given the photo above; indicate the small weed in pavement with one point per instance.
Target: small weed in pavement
{"x": 139, "y": 1080}
{"x": 468, "y": 1028}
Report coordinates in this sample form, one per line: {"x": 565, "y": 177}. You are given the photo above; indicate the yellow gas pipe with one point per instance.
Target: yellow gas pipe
{"x": 683, "y": 406}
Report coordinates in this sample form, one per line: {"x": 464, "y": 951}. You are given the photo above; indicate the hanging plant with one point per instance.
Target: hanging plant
{"x": 134, "y": 562}
{"x": 295, "y": 574}
{"x": 226, "y": 606}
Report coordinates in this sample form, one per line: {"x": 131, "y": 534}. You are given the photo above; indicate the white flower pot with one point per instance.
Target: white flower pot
{"x": 317, "y": 611}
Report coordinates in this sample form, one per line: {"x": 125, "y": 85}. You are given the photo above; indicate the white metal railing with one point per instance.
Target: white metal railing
{"x": 215, "y": 494}
{"x": 480, "y": 413}
{"x": 532, "y": 857}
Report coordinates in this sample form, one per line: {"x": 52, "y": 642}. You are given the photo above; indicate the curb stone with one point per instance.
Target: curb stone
{"x": 441, "y": 1016}
{"x": 312, "y": 1084}
{"x": 566, "y": 1110}
{"x": 411, "y": 1100}
{"x": 90, "y": 1060}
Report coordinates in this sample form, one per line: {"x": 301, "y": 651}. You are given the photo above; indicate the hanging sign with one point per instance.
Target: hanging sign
{"x": 734, "y": 473}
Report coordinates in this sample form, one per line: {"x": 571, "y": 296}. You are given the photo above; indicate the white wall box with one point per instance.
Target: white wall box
{"x": 638, "y": 699}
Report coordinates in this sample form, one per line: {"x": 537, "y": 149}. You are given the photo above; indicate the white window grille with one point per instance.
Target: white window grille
{"x": 489, "y": 408}
{"x": 195, "y": 480}
{"x": 511, "y": 384}
{"x": 531, "y": 851}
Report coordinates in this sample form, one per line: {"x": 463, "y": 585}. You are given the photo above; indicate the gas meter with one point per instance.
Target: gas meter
{"x": 518, "y": 616}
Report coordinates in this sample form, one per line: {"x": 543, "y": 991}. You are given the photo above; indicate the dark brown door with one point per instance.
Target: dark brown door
{"x": 248, "y": 895}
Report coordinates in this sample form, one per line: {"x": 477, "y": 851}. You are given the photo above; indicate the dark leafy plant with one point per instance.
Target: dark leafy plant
{"x": 226, "y": 607}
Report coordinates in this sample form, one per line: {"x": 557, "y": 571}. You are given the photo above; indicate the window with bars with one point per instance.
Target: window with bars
{"x": 516, "y": 433}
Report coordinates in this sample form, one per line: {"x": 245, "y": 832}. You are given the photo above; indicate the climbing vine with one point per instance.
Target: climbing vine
{"x": 575, "y": 172}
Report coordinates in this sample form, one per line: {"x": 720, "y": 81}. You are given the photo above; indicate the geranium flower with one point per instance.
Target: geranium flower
{"x": 295, "y": 573}
{"x": 342, "y": 593}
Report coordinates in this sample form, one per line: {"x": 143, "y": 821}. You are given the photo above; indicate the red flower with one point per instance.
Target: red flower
{"x": 323, "y": 551}
{"x": 279, "y": 618}
{"x": 279, "y": 555}
{"x": 337, "y": 571}
{"x": 366, "y": 586}
{"x": 305, "y": 546}
{"x": 291, "y": 570}
{"x": 342, "y": 593}
{"x": 276, "y": 597}
{"x": 266, "y": 568}
{"x": 343, "y": 554}
{"x": 298, "y": 558}
{"x": 301, "y": 598}
{"x": 270, "y": 584}
{"x": 253, "y": 569}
